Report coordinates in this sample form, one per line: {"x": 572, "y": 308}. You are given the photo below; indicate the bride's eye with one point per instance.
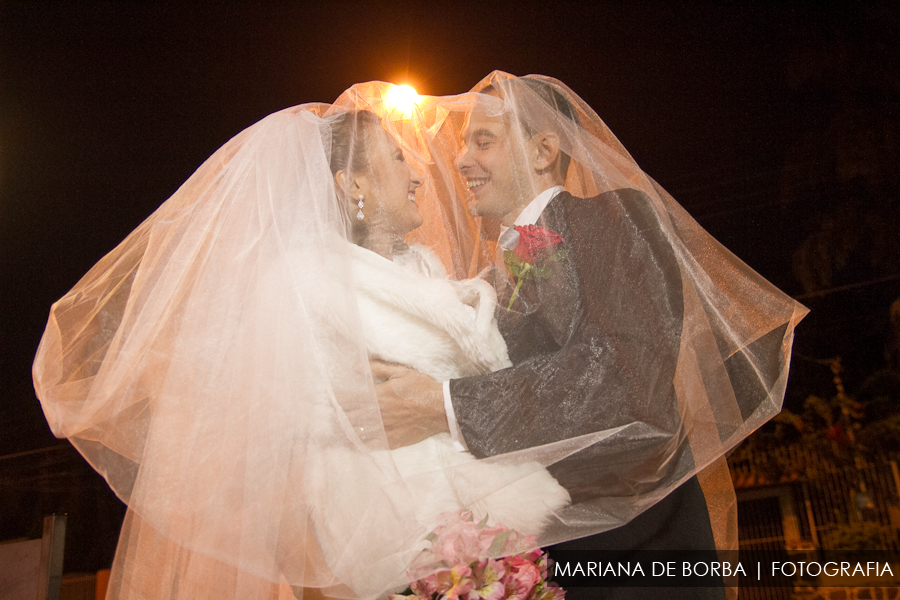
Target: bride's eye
{"x": 399, "y": 156}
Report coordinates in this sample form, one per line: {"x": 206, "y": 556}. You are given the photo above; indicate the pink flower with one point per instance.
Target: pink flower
{"x": 458, "y": 564}
{"x": 492, "y": 591}
{"x": 552, "y": 592}
{"x": 521, "y": 579}
{"x": 494, "y": 571}
{"x": 460, "y": 583}
{"x": 424, "y": 587}
{"x": 488, "y": 575}
{"x": 533, "y": 557}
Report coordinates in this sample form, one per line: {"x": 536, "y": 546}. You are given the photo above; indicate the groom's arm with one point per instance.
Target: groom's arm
{"x": 411, "y": 403}
{"x": 611, "y": 315}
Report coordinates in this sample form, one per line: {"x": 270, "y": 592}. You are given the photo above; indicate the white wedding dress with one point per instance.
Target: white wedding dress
{"x": 412, "y": 315}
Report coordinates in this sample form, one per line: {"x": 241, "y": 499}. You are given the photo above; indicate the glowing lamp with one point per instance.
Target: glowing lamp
{"x": 402, "y": 98}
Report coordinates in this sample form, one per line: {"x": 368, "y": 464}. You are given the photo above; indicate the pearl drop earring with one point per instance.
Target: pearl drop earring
{"x": 360, "y": 214}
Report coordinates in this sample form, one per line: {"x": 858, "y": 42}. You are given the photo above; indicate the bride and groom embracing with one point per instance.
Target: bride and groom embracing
{"x": 291, "y": 372}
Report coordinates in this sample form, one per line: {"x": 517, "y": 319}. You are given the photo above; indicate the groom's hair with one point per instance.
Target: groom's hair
{"x": 550, "y": 94}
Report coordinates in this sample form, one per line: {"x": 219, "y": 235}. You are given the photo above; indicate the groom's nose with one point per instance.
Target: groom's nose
{"x": 464, "y": 160}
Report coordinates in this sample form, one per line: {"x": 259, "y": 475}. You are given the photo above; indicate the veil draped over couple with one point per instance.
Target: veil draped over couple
{"x": 356, "y": 319}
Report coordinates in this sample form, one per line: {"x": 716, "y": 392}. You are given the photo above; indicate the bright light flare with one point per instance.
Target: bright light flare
{"x": 402, "y": 98}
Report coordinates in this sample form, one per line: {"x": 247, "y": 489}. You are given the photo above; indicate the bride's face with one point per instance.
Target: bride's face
{"x": 389, "y": 187}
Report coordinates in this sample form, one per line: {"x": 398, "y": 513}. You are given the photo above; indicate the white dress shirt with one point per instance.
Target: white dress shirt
{"x": 508, "y": 240}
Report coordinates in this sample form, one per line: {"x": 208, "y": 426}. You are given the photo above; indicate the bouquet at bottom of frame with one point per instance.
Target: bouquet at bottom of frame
{"x": 459, "y": 566}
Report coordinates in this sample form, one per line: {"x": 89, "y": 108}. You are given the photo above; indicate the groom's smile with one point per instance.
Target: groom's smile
{"x": 476, "y": 183}
{"x": 488, "y": 165}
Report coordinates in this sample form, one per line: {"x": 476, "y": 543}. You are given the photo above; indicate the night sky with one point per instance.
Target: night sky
{"x": 105, "y": 109}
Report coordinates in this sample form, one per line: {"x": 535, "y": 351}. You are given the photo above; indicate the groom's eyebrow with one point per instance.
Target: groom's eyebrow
{"x": 480, "y": 133}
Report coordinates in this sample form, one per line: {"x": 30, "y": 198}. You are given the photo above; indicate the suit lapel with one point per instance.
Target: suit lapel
{"x": 536, "y": 321}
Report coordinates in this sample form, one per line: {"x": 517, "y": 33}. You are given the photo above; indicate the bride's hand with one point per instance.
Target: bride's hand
{"x": 412, "y": 404}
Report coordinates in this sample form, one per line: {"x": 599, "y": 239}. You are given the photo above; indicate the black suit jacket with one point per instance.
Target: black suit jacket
{"x": 594, "y": 346}
{"x": 575, "y": 340}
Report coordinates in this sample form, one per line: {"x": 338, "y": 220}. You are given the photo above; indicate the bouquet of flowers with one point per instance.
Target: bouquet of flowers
{"x": 458, "y": 550}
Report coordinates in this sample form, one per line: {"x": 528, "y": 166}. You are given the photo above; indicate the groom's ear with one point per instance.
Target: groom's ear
{"x": 545, "y": 151}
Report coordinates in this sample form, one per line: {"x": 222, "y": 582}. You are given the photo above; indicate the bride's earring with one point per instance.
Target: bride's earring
{"x": 360, "y": 214}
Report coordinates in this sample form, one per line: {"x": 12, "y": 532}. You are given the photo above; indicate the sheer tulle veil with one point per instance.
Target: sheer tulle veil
{"x": 213, "y": 369}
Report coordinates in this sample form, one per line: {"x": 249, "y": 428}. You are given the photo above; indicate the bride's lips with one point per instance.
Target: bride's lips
{"x": 411, "y": 195}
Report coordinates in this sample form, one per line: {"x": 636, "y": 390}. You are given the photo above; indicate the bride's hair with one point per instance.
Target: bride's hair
{"x": 350, "y": 134}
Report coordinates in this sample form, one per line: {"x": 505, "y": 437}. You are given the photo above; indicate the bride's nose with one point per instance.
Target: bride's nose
{"x": 415, "y": 177}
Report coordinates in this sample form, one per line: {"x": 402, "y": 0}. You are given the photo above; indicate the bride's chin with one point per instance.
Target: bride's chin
{"x": 401, "y": 229}
{"x": 411, "y": 228}
{"x": 416, "y": 220}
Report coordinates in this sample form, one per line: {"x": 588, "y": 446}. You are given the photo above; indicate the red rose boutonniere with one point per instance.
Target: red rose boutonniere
{"x": 532, "y": 256}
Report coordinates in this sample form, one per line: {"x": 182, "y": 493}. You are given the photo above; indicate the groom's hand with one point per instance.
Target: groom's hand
{"x": 412, "y": 403}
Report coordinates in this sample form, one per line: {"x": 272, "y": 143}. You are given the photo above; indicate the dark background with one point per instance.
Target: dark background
{"x": 777, "y": 128}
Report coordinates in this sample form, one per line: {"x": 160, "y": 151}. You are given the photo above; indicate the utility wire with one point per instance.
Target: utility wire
{"x": 37, "y": 451}
{"x": 850, "y": 286}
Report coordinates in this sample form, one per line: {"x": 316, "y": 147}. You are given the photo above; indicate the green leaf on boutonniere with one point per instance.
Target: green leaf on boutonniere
{"x": 523, "y": 271}
{"x": 511, "y": 258}
{"x": 513, "y": 263}
{"x": 556, "y": 256}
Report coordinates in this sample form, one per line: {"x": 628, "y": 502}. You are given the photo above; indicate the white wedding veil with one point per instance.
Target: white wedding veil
{"x": 213, "y": 369}
{"x": 207, "y": 364}
{"x": 691, "y": 347}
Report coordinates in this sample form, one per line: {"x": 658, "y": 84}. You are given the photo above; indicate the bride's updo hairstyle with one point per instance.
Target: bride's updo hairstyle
{"x": 350, "y": 136}
{"x": 350, "y": 133}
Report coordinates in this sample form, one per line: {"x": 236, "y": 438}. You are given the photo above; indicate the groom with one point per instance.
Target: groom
{"x": 572, "y": 363}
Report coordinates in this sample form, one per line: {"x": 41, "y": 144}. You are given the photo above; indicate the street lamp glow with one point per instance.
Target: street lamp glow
{"x": 402, "y": 98}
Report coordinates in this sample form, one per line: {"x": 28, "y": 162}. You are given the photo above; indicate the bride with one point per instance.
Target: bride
{"x": 411, "y": 314}
{"x": 214, "y": 368}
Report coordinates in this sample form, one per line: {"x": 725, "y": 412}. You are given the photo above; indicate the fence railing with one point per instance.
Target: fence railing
{"x": 849, "y": 502}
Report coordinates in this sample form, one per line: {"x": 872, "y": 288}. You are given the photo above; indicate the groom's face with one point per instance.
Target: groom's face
{"x": 494, "y": 165}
